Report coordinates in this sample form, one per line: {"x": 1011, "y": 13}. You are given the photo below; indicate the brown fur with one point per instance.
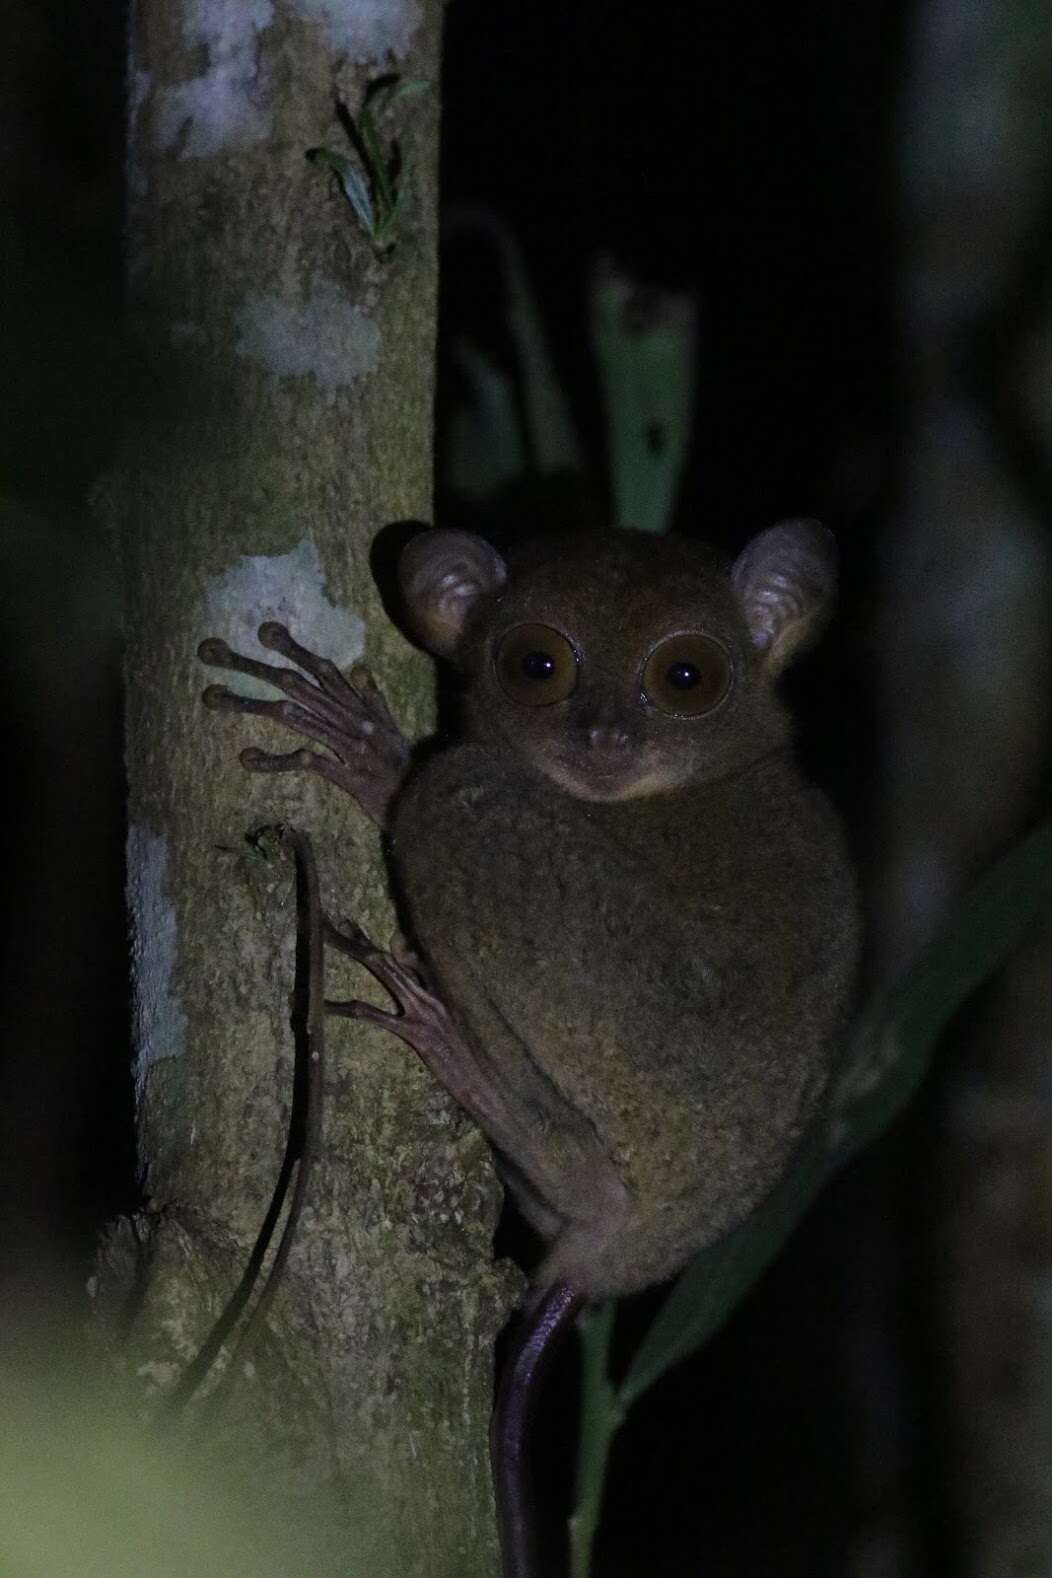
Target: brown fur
{"x": 651, "y": 946}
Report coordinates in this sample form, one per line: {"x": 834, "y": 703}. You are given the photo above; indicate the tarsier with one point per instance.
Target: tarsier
{"x": 636, "y": 921}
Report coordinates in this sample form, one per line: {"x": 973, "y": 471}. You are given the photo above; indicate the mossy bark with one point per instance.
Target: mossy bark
{"x": 283, "y": 415}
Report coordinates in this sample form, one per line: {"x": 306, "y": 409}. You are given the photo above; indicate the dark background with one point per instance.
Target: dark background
{"x": 741, "y": 153}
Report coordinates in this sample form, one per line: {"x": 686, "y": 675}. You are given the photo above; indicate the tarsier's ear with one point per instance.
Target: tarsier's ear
{"x": 443, "y": 575}
{"x": 785, "y": 581}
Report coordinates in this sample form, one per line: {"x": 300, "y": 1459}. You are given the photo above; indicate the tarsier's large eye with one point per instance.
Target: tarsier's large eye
{"x": 687, "y": 675}
{"x": 536, "y": 665}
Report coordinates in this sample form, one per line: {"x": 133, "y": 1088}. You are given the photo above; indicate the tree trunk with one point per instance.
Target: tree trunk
{"x": 966, "y": 664}
{"x": 284, "y": 397}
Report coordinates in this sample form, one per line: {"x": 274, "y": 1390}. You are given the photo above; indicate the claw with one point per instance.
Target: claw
{"x": 214, "y": 652}
{"x": 349, "y": 938}
{"x": 355, "y": 1009}
{"x": 271, "y": 635}
{"x": 217, "y": 696}
{"x": 258, "y": 761}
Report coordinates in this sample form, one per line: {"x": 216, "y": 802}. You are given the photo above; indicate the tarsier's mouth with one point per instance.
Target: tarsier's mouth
{"x": 604, "y": 777}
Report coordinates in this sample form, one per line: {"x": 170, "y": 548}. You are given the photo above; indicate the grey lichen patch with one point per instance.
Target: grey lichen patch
{"x": 327, "y": 336}
{"x": 367, "y": 30}
{"x": 226, "y": 106}
{"x": 288, "y": 587}
{"x": 160, "y": 1024}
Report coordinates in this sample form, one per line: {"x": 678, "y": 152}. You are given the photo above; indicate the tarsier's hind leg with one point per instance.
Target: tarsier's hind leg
{"x": 422, "y": 1021}
{"x": 588, "y": 1237}
{"x": 521, "y": 1130}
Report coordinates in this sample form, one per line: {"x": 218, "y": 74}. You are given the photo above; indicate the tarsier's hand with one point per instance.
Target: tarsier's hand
{"x": 349, "y": 715}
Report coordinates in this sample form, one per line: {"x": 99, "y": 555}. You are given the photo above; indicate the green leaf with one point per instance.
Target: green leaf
{"x": 644, "y": 341}
{"x": 885, "y": 1062}
{"x": 385, "y": 93}
{"x": 328, "y": 159}
{"x": 356, "y": 190}
{"x": 890, "y": 1049}
{"x": 601, "y": 1417}
{"x": 374, "y": 157}
{"x": 542, "y": 438}
{"x": 483, "y": 451}
{"x": 405, "y": 176}
{"x": 715, "y": 1281}
{"x": 355, "y": 187}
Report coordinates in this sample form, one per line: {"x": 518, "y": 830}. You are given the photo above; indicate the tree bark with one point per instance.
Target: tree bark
{"x": 966, "y": 660}
{"x": 284, "y": 388}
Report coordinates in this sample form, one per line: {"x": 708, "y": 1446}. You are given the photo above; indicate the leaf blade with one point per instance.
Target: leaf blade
{"x": 898, "y": 1031}
{"x": 908, "y": 1018}
{"x": 352, "y": 182}
{"x": 710, "y": 1288}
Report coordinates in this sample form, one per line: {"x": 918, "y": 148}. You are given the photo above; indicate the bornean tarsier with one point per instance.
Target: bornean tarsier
{"x": 636, "y": 920}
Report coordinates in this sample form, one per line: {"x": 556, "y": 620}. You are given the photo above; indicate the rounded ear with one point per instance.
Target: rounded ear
{"x": 443, "y": 576}
{"x": 785, "y": 580}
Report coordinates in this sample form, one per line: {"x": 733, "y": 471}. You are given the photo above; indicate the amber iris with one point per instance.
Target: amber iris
{"x": 536, "y": 665}
{"x": 687, "y": 674}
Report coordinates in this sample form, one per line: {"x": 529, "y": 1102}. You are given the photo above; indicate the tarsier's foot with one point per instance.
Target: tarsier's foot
{"x": 399, "y": 971}
{"x": 350, "y": 716}
{"x": 422, "y": 1021}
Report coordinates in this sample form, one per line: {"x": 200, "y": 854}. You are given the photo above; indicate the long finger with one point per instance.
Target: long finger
{"x": 217, "y": 654}
{"x": 277, "y": 638}
{"x": 307, "y": 720}
{"x": 403, "y": 985}
{"x": 371, "y": 694}
{"x": 302, "y": 761}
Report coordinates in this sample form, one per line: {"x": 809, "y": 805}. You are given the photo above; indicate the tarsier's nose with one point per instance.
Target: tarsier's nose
{"x": 607, "y": 737}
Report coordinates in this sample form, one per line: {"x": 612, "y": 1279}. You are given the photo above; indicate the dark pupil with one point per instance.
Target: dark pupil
{"x": 682, "y": 676}
{"x": 538, "y": 665}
